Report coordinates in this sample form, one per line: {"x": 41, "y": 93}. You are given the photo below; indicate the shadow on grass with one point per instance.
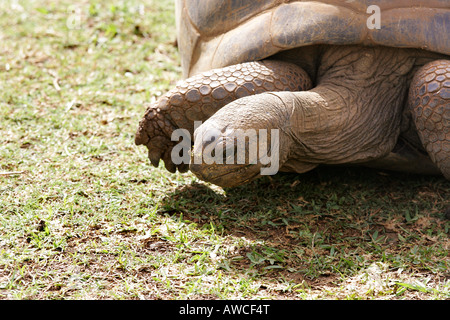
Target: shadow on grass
{"x": 330, "y": 221}
{"x": 325, "y": 190}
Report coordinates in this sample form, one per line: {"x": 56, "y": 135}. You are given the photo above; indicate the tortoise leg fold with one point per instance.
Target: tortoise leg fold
{"x": 199, "y": 97}
{"x": 429, "y": 103}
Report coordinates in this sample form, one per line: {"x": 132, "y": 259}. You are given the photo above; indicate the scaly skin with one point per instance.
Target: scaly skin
{"x": 199, "y": 97}
{"x": 429, "y": 102}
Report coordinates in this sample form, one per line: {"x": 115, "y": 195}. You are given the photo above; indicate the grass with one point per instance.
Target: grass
{"x": 84, "y": 215}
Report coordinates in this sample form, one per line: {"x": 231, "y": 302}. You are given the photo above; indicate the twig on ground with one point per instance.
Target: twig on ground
{"x": 11, "y": 173}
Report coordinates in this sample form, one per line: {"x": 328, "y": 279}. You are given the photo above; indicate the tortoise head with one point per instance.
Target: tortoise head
{"x": 230, "y": 151}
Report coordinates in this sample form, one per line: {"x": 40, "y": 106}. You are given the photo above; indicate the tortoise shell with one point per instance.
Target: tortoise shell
{"x": 217, "y": 33}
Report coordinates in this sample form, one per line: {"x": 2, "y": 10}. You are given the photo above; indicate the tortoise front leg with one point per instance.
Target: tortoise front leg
{"x": 429, "y": 102}
{"x": 199, "y": 97}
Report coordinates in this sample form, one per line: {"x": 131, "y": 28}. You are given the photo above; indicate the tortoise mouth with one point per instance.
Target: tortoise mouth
{"x": 226, "y": 175}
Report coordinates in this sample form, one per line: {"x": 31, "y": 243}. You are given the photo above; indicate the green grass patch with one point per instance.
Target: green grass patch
{"x": 85, "y": 216}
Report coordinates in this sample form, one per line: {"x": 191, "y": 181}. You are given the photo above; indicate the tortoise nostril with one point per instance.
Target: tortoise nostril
{"x": 208, "y": 141}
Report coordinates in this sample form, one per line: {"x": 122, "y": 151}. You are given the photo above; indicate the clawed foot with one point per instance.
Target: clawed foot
{"x": 155, "y": 131}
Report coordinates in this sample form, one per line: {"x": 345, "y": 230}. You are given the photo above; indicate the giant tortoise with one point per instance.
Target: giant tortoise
{"x": 328, "y": 82}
